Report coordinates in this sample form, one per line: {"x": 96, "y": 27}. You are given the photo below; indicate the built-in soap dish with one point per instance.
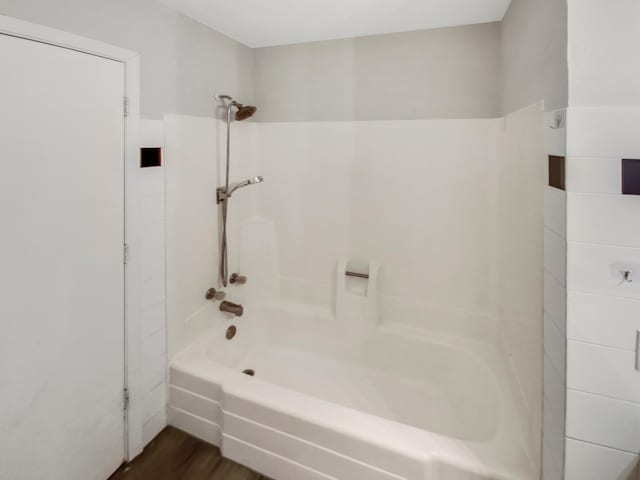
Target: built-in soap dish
{"x": 357, "y": 287}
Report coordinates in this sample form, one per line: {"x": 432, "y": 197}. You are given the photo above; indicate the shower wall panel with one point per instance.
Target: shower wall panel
{"x": 520, "y": 256}
{"x": 194, "y": 147}
{"x": 416, "y": 196}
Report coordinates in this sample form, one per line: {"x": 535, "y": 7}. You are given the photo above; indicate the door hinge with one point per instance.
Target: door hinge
{"x": 125, "y": 253}
{"x": 126, "y": 106}
{"x": 126, "y": 398}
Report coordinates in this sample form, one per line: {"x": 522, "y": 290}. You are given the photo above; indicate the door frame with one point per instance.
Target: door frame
{"x": 133, "y": 417}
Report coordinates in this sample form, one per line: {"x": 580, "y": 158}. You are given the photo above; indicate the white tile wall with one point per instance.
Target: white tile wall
{"x": 586, "y": 461}
{"x": 603, "y": 426}
{"x": 555, "y": 212}
{"x": 555, "y": 134}
{"x": 552, "y": 465}
{"x": 554, "y": 344}
{"x": 603, "y": 421}
{"x": 603, "y": 400}
{"x": 597, "y": 268}
{"x": 594, "y": 175}
{"x": 602, "y": 218}
{"x": 554, "y": 325}
{"x": 555, "y": 300}
{"x": 603, "y": 50}
{"x": 555, "y": 255}
{"x": 553, "y": 432}
{"x": 603, "y": 320}
{"x": 603, "y": 370}
{"x": 153, "y": 288}
{"x": 553, "y": 439}
{"x": 603, "y": 132}
{"x": 555, "y": 383}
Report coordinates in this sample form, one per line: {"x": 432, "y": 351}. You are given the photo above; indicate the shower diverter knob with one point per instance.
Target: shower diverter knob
{"x": 237, "y": 278}
{"x": 213, "y": 294}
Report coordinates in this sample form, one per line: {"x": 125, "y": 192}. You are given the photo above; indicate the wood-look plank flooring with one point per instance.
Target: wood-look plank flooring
{"x": 175, "y": 455}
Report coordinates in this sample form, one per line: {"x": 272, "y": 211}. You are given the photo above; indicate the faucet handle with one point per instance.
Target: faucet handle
{"x": 239, "y": 279}
{"x": 213, "y": 294}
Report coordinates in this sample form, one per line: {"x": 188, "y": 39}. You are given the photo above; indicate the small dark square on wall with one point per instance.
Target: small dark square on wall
{"x": 556, "y": 172}
{"x": 630, "y": 176}
{"x": 150, "y": 157}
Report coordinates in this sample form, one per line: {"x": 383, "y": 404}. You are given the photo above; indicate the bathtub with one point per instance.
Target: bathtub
{"x": 331, "y": 400}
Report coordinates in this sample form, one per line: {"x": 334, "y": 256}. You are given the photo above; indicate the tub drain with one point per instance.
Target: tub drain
{"x": 231, "y": 332}
{"x": 249, "y": 372}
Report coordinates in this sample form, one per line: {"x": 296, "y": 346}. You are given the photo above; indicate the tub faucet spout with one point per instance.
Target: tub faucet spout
{"x": 232, "y": 308}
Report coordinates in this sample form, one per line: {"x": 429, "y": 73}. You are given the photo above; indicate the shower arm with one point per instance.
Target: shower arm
{"x": 235, "y": 186}
{"x": 223, "y": 193}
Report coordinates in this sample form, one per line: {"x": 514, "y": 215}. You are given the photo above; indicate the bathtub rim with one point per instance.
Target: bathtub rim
{"x": 416, "y": 445}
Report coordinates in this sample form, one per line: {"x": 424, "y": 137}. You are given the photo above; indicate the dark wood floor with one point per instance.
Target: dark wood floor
{"x": 175, "y": 455}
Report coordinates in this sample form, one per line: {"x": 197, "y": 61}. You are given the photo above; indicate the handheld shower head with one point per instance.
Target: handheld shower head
{"x": 251, "y": 181}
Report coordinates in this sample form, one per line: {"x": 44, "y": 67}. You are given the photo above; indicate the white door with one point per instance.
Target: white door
{"x": 61, "y": 268}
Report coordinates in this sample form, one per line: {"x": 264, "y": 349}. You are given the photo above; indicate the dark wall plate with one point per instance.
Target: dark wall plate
{"x": 150, "y": 157}
{"x": 630, "y": 176}
{"x": 556, "y": 172}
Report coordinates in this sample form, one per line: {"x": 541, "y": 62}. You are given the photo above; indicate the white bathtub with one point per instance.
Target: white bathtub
{"x": 398, "y": 403}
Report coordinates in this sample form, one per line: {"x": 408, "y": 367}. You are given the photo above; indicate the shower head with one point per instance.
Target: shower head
{"x": 243, "y": 111}
{"x": 251, "y": 181}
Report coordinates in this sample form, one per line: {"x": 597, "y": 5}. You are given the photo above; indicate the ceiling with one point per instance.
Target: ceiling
{"x": 262, "y": 23}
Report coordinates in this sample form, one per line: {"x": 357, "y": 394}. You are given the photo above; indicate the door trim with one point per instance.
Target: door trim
{"x": 133, "y": 420}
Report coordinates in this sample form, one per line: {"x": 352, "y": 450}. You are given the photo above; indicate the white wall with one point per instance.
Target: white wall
{"x": 150, "y": 183}
{"x": 440, "y": 73}
{"x": 519, "y": 256}
{"x": 603, "y": 49}
{"x": 534, "y": 54}
{"x": 183, "y": 63}
{"x": 603, "y": 398}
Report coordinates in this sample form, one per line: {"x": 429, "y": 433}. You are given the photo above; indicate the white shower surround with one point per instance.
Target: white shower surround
{"x": 420, "y": 197}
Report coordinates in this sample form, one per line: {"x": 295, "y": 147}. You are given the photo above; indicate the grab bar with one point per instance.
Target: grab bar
{"x": 356, "y": 274}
